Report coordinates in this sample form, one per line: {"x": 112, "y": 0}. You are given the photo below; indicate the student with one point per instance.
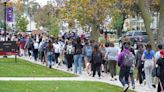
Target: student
{"x": 69, "y": 51}
{"x": 78, "y": 56}
{"x": 148, "y": 57}
{"x": 96, "y": 61}
{"x": 56, "y": 51}
{"x": 125, "y": 61}
{"x": 140, "y": 64}
{"x": 156, "y": 57}
{"x": 160, "y": 65}
{"x": 35, "y": 50}
{"x": 88, "y": 50}
{"x": 50, "y": 50}
{"x": 112, "y": 56}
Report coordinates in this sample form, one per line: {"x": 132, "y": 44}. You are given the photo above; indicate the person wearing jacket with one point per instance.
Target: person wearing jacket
{"x": 96, "y": 60}
{"x": 124, "y": 71}
{"x": 160, "y": 65}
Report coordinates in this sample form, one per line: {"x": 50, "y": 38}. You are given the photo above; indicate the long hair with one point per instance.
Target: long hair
{"x": 96, "y": 49}
{"x": 148, "y": 48}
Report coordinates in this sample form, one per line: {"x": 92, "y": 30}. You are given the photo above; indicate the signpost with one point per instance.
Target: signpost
{"x": 9, "y": 48}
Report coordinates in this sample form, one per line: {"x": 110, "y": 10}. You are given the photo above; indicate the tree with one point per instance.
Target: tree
{"x": 42, "y": 15}
{"x": 88, "y": 12}
{"x": 32, "y": 7}
{"x": 161, "y": 24}
{"x": 144, "y": 6}
{"x": 21, "y": 24}
{"x": 19, "y": 7}
{"x": 48, "y": 17}
{"x": 117, "y": 22}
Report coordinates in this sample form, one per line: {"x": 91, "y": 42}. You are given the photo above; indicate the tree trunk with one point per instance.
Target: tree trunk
{"x": 161, "y": 24}
{"x": 95, "y": 33}
{"x": 147, "y": 21}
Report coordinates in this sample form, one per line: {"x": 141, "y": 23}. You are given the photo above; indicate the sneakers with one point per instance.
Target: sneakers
{"x": 126, "y": 87}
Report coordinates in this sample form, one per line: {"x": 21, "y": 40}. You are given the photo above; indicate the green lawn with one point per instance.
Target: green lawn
{"x": 57, "y": 86}
{"x": 8, "y": 68}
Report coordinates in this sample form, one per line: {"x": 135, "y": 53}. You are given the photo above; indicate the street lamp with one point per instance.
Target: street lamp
{"x": 5, "y": 5}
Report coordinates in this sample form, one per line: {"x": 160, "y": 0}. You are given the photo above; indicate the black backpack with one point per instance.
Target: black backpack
{"x": 97, "y": 57}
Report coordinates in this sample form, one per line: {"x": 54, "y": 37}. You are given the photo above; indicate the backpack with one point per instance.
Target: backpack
{"x": 129, "y": 60}
{"x": 97, "y": 58}
{"x": 69, "y": 49}
{"x": 88, "y": 51}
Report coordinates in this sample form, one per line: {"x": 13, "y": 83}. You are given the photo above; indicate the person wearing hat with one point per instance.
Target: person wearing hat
{"x": 160, "y": 66}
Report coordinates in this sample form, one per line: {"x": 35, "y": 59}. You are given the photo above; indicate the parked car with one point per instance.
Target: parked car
{"x": 135, "y": 37}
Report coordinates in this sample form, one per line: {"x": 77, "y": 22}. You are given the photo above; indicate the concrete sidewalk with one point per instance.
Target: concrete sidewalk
{"x": 84, "y": 77}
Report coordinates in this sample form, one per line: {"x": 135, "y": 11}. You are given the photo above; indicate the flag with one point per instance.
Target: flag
{"x": 9, "y": 11}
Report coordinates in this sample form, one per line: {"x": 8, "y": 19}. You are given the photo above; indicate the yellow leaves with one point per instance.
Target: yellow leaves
{"x": 88, "y": 11}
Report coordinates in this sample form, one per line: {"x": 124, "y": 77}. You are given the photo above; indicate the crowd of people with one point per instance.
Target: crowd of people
{"x": 84, "y": 54}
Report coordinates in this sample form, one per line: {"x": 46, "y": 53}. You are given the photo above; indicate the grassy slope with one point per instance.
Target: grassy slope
{"x": 57, "y": 86}
{"x": 8, "y": 68}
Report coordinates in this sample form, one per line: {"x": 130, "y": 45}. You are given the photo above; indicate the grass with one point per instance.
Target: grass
{"x": 9, "y": 68}
{"x": 57, "y": 86}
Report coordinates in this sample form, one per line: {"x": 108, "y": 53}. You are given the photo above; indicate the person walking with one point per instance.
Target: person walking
{"x": 29, "y": 46}
{"x": 35, "y": 50}
{"x": 148, "y": 57}
{"x": 50, "y": 51}
{"x": 56, "y": 47}
{"x": 160, "y": 67}
{"x": 112, "y": 56}
{"x": 78, "y": 56}
{"x": 140, "y": 64}
{"x": 43, "y": 44}
{"x": 156, "y": 57}
{"x": 88, "y": 50}
{"x": 97, "y": 61}
{"x": 69, "y": 51}
{"x": 22, "y": 46}
{"x": 125, "y": 60}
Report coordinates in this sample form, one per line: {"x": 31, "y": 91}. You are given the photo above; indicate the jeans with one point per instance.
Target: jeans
{"x": 148, "y": 66}
{"x": 77, "y": 63}
{"x": 124, "y": 75}
{"x": 49, "y": 58}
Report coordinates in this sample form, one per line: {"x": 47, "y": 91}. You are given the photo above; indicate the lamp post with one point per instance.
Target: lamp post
{"x": 5, "y": 5}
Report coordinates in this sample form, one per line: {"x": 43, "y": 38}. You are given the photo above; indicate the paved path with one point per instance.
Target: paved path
{"x": 84, "y": 77}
